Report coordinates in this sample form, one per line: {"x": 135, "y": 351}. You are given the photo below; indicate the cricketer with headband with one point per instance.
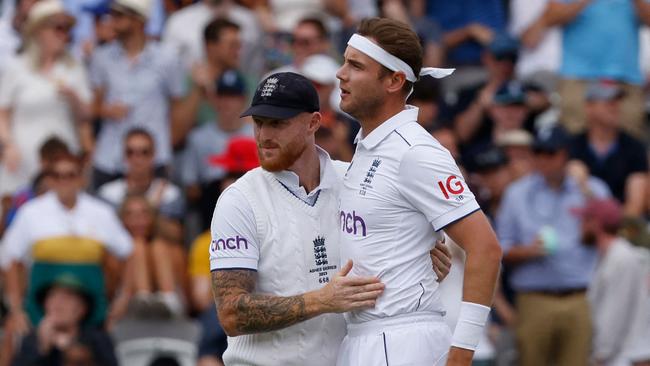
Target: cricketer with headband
{"x": 401, "y": 189}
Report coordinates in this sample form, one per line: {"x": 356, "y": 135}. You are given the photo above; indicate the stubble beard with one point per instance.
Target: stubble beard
{"x": 361, "y": 109}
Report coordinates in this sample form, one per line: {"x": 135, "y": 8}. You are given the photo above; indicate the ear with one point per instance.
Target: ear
{"x": 314, "y": 122}
{"x": 396, "y": 82}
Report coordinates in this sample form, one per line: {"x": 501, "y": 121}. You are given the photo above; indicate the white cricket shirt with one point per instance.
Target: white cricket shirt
{"x": 266, "y": 222}
{"x": 401, "y": 188}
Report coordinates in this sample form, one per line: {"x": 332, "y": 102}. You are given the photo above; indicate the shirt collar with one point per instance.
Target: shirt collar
{"x": 409, "y": 114}
{"x": 568, "y": 184}
{"x": 328, "y": 177}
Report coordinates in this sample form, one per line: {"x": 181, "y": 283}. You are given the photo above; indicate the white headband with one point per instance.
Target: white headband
{"x": 393, "y": 63}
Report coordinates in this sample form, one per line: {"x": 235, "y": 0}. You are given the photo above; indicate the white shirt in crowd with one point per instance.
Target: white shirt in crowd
{"x": 43, "y": 228}
{"x": 39, "y": 111}
{"x": 184, "y": 33}
{"x": 547, "y": 55}
{"x": 267, "y": 223}
{"x": 402, "y": 188}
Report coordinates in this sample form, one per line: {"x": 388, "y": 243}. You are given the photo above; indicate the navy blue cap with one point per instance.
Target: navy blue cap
{"x": 231, "y": 82}
{"x": 603, "y": 91}
{"x": 551, "y": 139}
{"x": 504, "y": 46}
{"x": 486, "y": 158}
{"x": 283, "y": 95}
{"x": 510, "y": 93}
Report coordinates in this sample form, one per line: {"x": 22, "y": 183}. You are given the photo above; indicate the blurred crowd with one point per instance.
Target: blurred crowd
{"x": 119, "y": 127}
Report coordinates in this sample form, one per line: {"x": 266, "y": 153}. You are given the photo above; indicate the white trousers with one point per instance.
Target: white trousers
{"x": 419, "y": 339}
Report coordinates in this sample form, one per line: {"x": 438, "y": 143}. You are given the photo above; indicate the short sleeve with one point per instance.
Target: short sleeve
{"x": 97, "y": 72}
{"x": 234, "y": 233}
{"x": 17, "y": 240}
{"x": 81, "y": 84}
{"x": 431, "y": 181}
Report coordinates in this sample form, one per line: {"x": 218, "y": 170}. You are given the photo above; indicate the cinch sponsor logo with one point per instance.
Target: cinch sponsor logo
{"x": 229, "y": 243}
{"x": 352, "y": 224}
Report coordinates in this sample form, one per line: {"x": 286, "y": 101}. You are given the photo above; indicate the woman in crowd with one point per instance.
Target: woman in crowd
{"x": 44, "y": 92}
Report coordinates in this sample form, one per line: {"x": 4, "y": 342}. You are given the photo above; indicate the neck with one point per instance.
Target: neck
{"x": 604, "y": 242}
{"x": 68, "y": 201}
{"x": 139, "y": 181}
{"x": 555, "y": 182}
{"x": 387, "y": 110}
{"x": 307, "y": 167}
{"x": 134, "y": 43}
{"x": 47, "y": 61}
{"x": 600, "y": 134}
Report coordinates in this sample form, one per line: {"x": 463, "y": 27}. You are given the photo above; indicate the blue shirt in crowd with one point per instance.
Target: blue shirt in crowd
{"x": 602, "y": 42}
{"x": 145, "y": 85}
{"x": 529, "y": 205}
{"x": 452, "y": 15}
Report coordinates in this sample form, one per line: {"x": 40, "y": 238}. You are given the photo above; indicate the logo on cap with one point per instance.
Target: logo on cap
{"x": 269, "y": 87}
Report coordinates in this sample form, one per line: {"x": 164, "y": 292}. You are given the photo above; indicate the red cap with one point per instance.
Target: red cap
{"x": 240, "y": 156}
{"x": 607, "y": 212}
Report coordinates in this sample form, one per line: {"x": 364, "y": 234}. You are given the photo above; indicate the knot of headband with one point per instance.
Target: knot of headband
{"x": 393, "y": 63}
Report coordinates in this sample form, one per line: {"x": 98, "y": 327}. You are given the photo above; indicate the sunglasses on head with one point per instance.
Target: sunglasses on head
{"x": 131, "y": 151}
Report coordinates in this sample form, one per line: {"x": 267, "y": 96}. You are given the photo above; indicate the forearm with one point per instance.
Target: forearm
{"x": 453, "y": 38}
{"x": 481, "y": 273}
{"x": 5, "y": 127}
{"x": 518, "y": 254}
{"x": 635, "y": 193}
{"x": 468, "y": 122}
{"x": 14, "y": 287}
{"x": 86, "y": 137}
{"x": 562, "y": 13}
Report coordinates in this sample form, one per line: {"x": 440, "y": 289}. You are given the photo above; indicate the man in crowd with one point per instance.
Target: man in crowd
{"x": 550, "y": 268}
{"x": 608, "y": 152}
{"x": 619, "y": 293}
{"x": 137, "y": 83}
{"x": 309, "y": 37}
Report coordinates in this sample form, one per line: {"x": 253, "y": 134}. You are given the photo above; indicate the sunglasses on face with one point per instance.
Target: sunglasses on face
{"x": 303, "y": 41}
{"x": 61, "y": 27}
{"x": 131, "y": 151}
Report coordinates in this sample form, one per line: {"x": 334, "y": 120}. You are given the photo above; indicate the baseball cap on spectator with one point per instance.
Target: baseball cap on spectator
{"x": 231, "y": 82}
{"x": 504, "y": 47}
{"x": 486, "y": 158}
{"x": 607, "y": 212}
{"x": 551, "y": 139}
{"x": 140, "y": 8}
{"x": 283, "y": 95}
{"x": 71, "y": 282}
{"x": 320, "y": 69}
{"x": 240, "y": 156}
{"x": 603, "y": 91}
{"x": 510, "y": 93}
{"x": 516, "y": 137}
{"x": 44, "y": 10}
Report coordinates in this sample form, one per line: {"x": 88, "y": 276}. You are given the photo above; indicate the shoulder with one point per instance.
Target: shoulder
{"x": 599, "y": 188}
{"x": 92, "y": 205}
{"x": 420, "y": 144}
{"x": 631, "y": 143}
{"x": 106, "y": 50}
{"x": 37, "y": 205}
{"x": 172, "y": 192}
{"x": 113, "y": 191}
{"x": 15, "y": 64}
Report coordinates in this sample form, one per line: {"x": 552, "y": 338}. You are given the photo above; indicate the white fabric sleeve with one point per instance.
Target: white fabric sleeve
{"x": 118, "y": 241}
{"x": 234, "y": 233}
{"x": 81, "y": 84}
{"x": 17, "y": 240}
{"x": 9, "y": 80}
{"x": 431, "y": 181}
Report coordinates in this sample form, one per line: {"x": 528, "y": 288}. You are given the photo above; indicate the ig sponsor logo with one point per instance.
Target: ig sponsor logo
{"x": 453, "y": 185}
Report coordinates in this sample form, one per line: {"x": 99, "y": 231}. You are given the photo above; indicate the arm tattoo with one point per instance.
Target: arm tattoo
{"x": 255, "y": 313}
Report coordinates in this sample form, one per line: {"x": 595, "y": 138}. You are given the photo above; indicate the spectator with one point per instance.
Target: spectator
{"x": 201, "y": 179}
{"x": 335, "y": 126}
{"x": 62, "y": 226}
{"x": 136, "y": 83}
{"x": 491, "y": 177}
{"x": 468, "y": 27}
{"x": 550, "y": 268}
{"x": 540, "y": 54}
{"x": 592, "y": 50}
{"x": 240, "y": 156}
{"x": 163, "y": 195}
{"x": 11, "y": 25}
{"x": 517, "y": 145}
{"x": 472, "y": 103}
{"x": 222, "y": 42}
{"x": 184, "y": 32}
{"x": 44, "y": 92}
{"x": 51, "y": 150}
{"x": 309, "y": 37}
{"x": 154, "y": 269}
{"x": 619, "y": 293}
{"x": 426, "y": 96}
{"x": 608, "y": 152}
{"x": 62, "y": 335}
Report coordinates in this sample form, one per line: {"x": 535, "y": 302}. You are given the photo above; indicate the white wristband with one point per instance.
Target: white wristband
{"x": 469, "y": 329}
